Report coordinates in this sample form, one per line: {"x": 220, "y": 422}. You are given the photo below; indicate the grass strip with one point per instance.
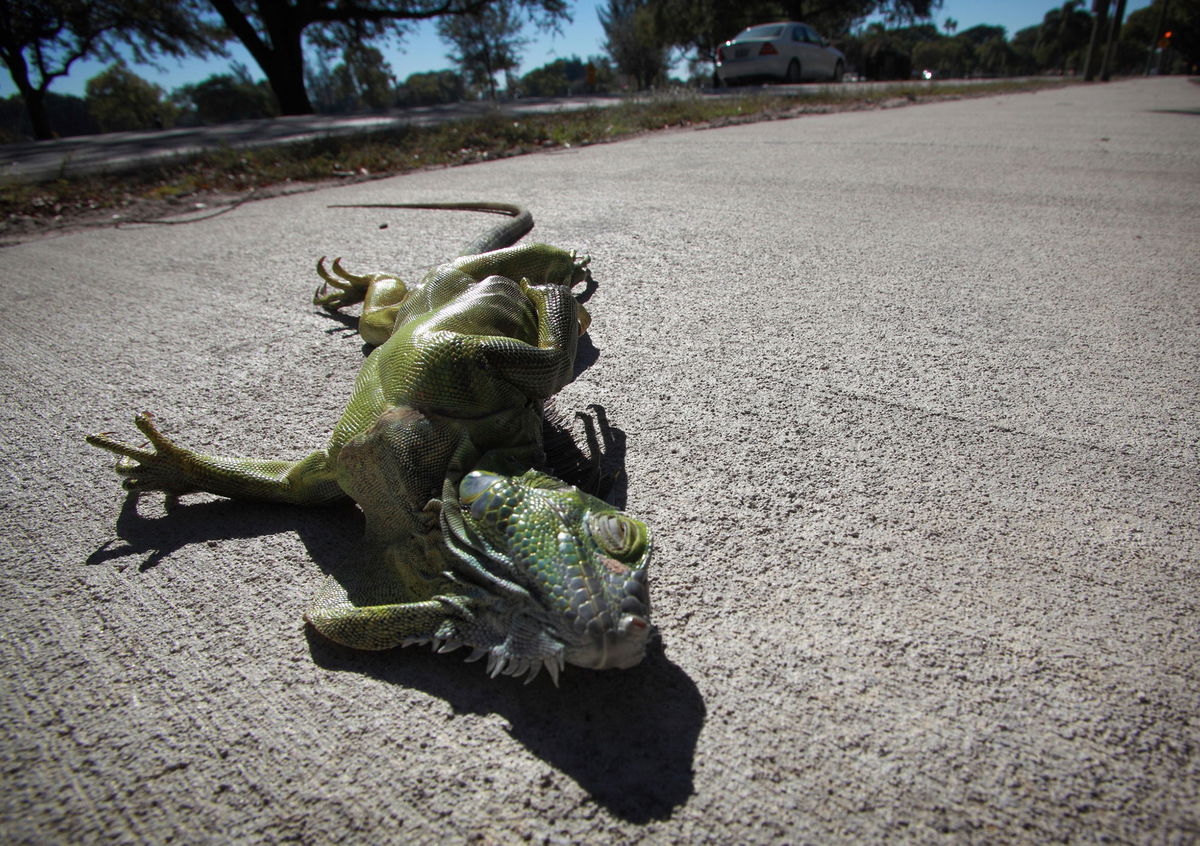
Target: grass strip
{"x": 230, "y": 175}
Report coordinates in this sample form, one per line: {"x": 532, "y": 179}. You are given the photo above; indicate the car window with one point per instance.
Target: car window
{"x": 762, "y": 32}
{"x": 812, "y": 35}
{"x": 798, "y": 33}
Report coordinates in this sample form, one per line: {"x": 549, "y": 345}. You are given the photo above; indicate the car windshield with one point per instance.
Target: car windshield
{"x": 762, "y": 32}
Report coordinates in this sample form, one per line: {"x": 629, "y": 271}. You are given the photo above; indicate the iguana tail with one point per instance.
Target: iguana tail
{"x": 499, "y": 236}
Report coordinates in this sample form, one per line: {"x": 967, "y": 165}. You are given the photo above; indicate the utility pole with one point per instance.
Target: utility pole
{"x": 1114, "y": 30}
{"x": 1099, "y": 19}
{"x": 1157, "y": 34}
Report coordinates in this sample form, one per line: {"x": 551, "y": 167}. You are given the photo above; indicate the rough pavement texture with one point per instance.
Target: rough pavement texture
{"x": 910, "y": 399}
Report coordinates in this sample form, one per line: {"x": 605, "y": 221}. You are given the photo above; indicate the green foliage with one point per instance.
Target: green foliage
{"x": 275, "y": 31}
{"x": 68, "y": 114}
{"x": 1059, "y": 44}
{"x": 979, "y": 35}
{"x": 362, "y": 80}
{"x": 554, "y": 79}
{"x": 484, "y": 44}
{"x": 41, "y": 39}
{"x": 944, "y": 57}
{"x": 635, "y": 41}
{"x": 1140, "y": 37}
{"x": 701, "y": 26}
{"x": 568, "y": 76}
{"x": 994, "y": 57}
{"x": 121, "y": 100}
{"x": 369, "y": 77}
{"x": 1063, "y": 38}
{"x": 222, "y": 98}
{"x": 431, "y": 89}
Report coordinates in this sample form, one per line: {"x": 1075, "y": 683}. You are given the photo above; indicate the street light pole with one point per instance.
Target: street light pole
{"x": 1157, "y": 34}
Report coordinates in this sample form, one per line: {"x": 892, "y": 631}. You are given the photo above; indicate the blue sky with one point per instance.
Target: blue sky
{"x": 424, "y": 51}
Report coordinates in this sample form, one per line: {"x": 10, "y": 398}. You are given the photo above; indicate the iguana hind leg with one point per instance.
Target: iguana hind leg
{"x": 381, "y": 294}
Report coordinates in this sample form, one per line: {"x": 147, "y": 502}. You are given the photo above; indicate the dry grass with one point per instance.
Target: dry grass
{"x": 218, "y": 178}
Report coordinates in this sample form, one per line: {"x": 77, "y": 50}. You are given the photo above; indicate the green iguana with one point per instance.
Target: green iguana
{"x": 466, "y": 543}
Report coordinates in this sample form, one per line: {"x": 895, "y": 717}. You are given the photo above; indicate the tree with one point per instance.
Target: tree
{"x": 946, "y": 57}
{"x": 701, "y": 26}
{"x": 41, "y": 39}
{"x": 1142, "y": 35}
{"x": 634, "y": 41}
{"x": 362, "y": 80}
{"x": 568, "y": 76}
{"x": 68, "y": 115}
{"x": 1063, "y": 37}
{"x": 994, "y": 57}
{"x": 120, "y": 100}
{"x": 431, "y": 88}
{"x": 226, "y": 97}
{"x": 274, "y": 30}
{"x": 981, "y": 34}
{"x": 485, "y": 43}
{"x": 369, "y": 77}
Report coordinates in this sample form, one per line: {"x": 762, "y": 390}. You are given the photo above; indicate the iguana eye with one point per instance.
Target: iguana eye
{"x": 620, "y": 536}
{"x": 474, "y": 484}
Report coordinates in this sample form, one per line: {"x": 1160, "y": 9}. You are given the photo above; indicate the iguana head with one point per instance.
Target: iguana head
{"x": 557, "y": 576}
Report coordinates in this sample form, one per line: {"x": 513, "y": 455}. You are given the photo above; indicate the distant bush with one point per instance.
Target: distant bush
{"x": 120, "y": 100}
{"x": 69, "y": 115}
{"x": 431, "y": 89}
{"x": 225, "y": 97}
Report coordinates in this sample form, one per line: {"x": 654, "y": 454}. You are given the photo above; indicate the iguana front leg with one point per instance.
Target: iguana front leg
{"x": 176, "y": 471}
{"x": 540, "y": 371}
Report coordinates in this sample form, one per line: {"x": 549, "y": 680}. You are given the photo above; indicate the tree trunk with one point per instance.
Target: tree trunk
{"x": 286, "y": 78}
{"x": 1099, "y": 26}
{"x": 35, "y": 99}
{"x": 285, "y": 64}
{"x": 283, "y": 60}
{"x": 39, "y": 118}
{"x": 1114, "y": 32}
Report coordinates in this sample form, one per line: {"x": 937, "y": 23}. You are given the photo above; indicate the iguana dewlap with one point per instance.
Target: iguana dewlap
{"x": 466, "y": 543}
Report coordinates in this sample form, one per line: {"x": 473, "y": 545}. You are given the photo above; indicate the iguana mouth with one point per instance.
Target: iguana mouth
{"x": 619, "y": 647}
{"x": 609, "y": 643}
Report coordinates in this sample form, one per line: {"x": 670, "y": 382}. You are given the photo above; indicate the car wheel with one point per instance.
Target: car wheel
{"x": 793, "y": 72}
{"x": 839, "y": 72}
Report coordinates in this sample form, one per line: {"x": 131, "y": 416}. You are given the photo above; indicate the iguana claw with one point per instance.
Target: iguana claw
{"x": 163, "y": 469}
{"x": 349, "y": 288}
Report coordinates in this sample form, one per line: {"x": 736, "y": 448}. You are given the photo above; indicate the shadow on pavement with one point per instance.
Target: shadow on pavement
{"x": 627, "y": 737}
{"x": 323, "y": 530}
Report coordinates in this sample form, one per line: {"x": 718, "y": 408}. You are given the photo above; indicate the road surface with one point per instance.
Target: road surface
{"x": 909, "y": 400}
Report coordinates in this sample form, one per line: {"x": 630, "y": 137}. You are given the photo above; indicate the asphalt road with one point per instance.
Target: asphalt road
{"x": 910, "y": 400}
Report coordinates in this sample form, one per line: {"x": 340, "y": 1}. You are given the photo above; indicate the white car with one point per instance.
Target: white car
{"x": 790, "y": 51}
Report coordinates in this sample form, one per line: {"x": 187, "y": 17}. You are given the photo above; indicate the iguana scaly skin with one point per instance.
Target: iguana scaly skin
{"x": 466, "y": 543}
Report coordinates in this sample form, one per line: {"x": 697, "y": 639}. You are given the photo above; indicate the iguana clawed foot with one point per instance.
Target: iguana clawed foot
{"x": 349, "y": 288}
{"x": 166, "y": 468}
